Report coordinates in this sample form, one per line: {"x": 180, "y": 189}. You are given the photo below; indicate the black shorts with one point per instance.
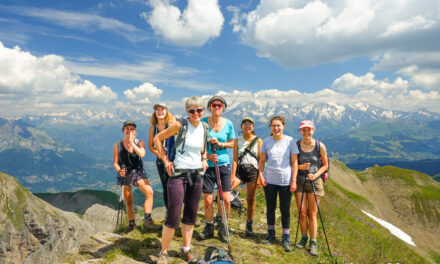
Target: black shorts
{"x": 210, "y": 179}
{"x": 247, "y": 173}
{"x": 132, "y": 178}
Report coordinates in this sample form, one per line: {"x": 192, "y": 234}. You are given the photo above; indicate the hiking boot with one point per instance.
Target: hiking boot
{"x": 163, "y": 258}
{"x": 222, "y": 233}
{"x": 149, "y": 225}
{"x": 217, "y": 221}
{"x": 249, "y": 232}
{"x": 303, "y": 242}
{"x": 270, "y": 238}
{"x": 186, "y": 255}
{"x": 208, "y": 232}
{"x": 313, "y": 247}
{"x": 286, "y": 243}
{"x": 131, "y": 227}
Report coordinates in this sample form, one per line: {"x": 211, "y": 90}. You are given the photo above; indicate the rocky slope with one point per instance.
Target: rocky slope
{"x": 33, "y": 231}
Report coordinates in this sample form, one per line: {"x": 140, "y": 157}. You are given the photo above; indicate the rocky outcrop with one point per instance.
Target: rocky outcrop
{"x": 33, "y": 231}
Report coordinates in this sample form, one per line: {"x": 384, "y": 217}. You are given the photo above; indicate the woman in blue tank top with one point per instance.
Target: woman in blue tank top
{"x": 308, "y": 171}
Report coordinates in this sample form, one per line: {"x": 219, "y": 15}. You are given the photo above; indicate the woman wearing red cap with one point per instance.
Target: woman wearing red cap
{"x": 309, "y": 170}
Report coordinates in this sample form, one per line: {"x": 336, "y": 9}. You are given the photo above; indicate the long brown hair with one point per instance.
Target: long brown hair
{"x": 280, "y": 118}
{"x": 168, "y": 118}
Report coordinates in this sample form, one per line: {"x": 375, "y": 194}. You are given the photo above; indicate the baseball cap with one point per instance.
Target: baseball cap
{"x": 129, "y": 122}
{"x": 247, "y": 118}
{"x": 306, "y": 123}
{"x": 155, "y": 106}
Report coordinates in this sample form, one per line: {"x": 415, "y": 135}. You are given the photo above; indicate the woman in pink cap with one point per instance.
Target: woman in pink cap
{"x": 312, "y": 164}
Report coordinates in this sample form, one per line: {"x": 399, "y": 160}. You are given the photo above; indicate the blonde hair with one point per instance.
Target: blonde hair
{"x": 168, "y": 118}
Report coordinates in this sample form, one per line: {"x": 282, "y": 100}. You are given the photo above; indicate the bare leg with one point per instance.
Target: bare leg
{"x": 303, "y": 217}
{"x": 128, "y": 196}
{"x": 208, "y": 199}
{"x": 146, "y": 189}
{"x": 167, "y": 236}
{"x": 311, "y": 211}
{"x": 250, "y": 197}
{"x": 187, "y": 232}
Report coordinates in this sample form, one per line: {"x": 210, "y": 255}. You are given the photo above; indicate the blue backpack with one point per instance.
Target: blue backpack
{"x": 214, "y": 255}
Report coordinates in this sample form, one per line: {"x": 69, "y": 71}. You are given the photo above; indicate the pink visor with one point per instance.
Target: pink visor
{"x": 306, "y": 123}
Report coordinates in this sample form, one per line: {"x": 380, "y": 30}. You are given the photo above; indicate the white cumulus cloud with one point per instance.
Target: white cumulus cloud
{"x": 201, "y": 21}
{"x": 44, "y": 80}
{"x": 146, "y": 93}
{"x": 303, "y": 33}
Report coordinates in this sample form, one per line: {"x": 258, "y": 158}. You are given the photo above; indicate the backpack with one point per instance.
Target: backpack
{"x": 248, "y": 149}
{"x": 324, "y": 175}
{"x": 168, "y": 144}
{"x": 214, "y": 255}
{"x": 120, "y": 179}
{"x": 235, "y": 201}
{"x": 180, "y": 140}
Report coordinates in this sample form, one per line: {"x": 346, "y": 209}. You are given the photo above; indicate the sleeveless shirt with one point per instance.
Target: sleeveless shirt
{"x": 305, "y": 157}
{"x": 248, "y": 158}
{"x": 191, "y": 158}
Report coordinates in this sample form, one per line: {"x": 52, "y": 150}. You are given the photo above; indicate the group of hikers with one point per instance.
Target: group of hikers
{"x": 190, "y": 150}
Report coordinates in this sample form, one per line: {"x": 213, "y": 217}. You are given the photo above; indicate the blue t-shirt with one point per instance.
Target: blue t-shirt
{"x": 278, "y": 169}
{"x": 227, "y": 133}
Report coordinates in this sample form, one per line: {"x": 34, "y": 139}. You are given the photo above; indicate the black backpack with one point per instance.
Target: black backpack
{"x": 214, "y": 255}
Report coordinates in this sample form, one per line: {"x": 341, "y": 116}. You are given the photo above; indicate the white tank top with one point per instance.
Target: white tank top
{"x": 247, "y": 159}
{"x": 191, "y": 158}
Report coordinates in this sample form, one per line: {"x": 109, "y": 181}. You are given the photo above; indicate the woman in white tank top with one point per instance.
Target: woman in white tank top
{"x": 184, "y": 184}
{"x": 245, "y": 166}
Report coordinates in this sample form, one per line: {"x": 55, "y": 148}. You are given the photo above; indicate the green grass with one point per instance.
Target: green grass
{"x": 351, "y": 195}
{"x": 435, "y": 257}
{"x": 361, "y": 176}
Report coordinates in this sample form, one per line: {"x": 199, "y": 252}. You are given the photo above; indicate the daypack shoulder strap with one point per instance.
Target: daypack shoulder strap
{"x": 205, "y": 136}
{"x": 221, "y": 254}
{"x": 248, "y": 150}
{"x": 180, "y": 140}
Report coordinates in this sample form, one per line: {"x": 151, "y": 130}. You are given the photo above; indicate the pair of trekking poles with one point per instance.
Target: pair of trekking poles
{"x": 319, "y": 211}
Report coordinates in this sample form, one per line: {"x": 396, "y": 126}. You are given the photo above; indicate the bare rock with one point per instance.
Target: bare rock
{"x": 102, "y": 218}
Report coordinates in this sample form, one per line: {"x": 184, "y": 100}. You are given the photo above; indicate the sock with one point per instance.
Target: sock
{"x": 186, "y": 249}
{"x": 312, "y": 240}
{"x": 271, "y": 227}
{"x": 286, "y": 231}
{"x": 147, "y": 216}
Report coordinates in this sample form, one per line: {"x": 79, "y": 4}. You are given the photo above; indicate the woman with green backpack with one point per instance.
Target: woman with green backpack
{"x": 245, "y": 166}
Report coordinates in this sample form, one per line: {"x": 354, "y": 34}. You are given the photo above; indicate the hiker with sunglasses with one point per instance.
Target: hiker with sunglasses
{"x": 309, "y": 159}
{"x": 185, "y": 171}
{"x": 245, "y": 166}
{"x": 221, "y": 133}
{"x": 160, "y": 120}
{"x": 127, "y": 157}
{"x": 278, "y": 177}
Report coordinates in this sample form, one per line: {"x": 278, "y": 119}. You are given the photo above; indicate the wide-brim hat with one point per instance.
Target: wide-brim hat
{"x": 217, "y": 97}
{"x": 306, "y": 123}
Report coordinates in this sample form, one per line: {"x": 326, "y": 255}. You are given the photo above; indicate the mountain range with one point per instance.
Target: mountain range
{"x": 73, "y": 150}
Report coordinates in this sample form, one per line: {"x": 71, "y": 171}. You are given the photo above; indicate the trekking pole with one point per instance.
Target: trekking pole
{"x": 120, "y": 208}
{"x": 320, "y": 217}
{"x": 299, "y": 214}
{"x": 222, "y": 202}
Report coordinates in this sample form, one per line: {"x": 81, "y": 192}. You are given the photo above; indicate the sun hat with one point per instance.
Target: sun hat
{"x": 217, "y": 97}
{"x": 247, "y": 118}
{"x": 306, "y": 123}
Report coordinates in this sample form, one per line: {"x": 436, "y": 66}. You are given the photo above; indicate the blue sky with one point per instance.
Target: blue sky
{"x": 57, "y": 55}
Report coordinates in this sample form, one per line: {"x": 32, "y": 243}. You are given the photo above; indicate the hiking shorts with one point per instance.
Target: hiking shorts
{"x": 133, "y": 178}
{"x": 210, "y": 179}
{"x": 247, "y": 173}
{"x": 319, "y": 187}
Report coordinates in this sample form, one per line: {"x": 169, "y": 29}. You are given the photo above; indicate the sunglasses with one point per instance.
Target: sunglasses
{"x": 216, "y": 105}
{"x": 193, "y": 111}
